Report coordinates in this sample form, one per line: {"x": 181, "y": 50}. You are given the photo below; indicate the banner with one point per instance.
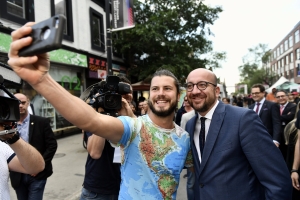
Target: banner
{"x": 122, "y": 14}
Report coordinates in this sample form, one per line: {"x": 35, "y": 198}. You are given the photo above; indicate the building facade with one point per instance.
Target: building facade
{"x": 82, "y": 59}
{"x": 285, "y": 57}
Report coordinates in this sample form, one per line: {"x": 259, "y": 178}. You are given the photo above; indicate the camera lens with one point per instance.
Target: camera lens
{"x": 46, "y": 33}
{"x": 4, "y": 111}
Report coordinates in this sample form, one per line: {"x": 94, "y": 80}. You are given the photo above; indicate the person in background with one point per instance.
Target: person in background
{"x": 291, "y": 97}
{"x": 102, "y": 174}
{"x": 145, "y": 107}
{"x": 267, "y": 111}
{"x": 234, "y": 156}
{"x": 36, "y": 131}
{"x": 272, "y": 96}
{"x": 287, "y": 114}
{"x": 226, "y": 100}
{"x": 18, "y": 156}
{"x": 190, "y": 173}
{"x": 296, "y": 97}
{"x": 296, "y": 161}
{"x": 184, "y": 109}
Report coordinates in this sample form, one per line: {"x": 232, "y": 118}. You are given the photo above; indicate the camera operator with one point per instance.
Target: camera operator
{"x": 19, "y": 156}
{"x": 102, "y": 177}
{"x": 154, "y": 149}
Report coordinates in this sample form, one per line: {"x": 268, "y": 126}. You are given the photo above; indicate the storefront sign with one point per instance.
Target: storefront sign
{"x": 97, "y": 68}
{"x": 68, "y": 57}
{"x": 66, "y": 79}
{"x": 5, "y": 41}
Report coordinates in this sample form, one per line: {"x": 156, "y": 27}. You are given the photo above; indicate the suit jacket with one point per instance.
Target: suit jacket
{"x": 240, "y": 160}
{"x": 270, "y": 116}
{"x": 288, "y": 113}
{"x": 42, "y": 138}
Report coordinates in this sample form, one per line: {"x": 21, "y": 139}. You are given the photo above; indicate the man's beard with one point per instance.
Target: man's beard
{"x": 163, "y": 113}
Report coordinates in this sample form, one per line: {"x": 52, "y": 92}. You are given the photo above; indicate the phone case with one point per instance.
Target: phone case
{"x": 46, "y": 35}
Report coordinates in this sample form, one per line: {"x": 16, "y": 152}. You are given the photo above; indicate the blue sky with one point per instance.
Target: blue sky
{"x": 244, "y": 24}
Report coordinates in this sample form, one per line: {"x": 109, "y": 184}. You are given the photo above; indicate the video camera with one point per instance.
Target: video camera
{"x": 108, "y": 95}
{"x": 9, "y": 109}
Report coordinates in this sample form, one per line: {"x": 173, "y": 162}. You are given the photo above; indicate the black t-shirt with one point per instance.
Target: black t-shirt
{"x": 102, "y": 175}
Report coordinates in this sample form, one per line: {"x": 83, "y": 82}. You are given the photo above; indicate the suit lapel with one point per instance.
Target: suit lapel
{"x": 264, "y": 107}
{"x": 213, "y": 132}
{"x": 31, "y": 124}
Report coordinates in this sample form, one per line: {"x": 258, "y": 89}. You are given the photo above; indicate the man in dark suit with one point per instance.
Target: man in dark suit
{"x": 234, "y": 156}
{"x": 36, "y": 131}
{"x": 287, "y": 114}
{"x": 268, "y": 112}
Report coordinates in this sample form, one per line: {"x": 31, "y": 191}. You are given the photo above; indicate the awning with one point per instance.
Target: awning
{"x": 141, "y": 86}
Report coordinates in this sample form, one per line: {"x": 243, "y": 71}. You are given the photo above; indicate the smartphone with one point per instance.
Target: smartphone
{"x": 46, "y": 36}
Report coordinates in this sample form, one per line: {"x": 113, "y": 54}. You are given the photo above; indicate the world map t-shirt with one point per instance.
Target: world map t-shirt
{"x": 152, "y": 159}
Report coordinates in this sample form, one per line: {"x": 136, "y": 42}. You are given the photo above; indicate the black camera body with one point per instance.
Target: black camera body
{"x": 46, "y": 36}
{"x": 9, "y": 110}
{"x": 108, "y": 95}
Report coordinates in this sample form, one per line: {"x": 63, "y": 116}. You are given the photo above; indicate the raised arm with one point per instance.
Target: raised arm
{"x": 27, "y": 160}
{"x": 35, "y": 69}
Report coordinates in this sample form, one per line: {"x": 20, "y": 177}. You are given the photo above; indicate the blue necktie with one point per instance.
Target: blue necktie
{"x": 202, "y": 135}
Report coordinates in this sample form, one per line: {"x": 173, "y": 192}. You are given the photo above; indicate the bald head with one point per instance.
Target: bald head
{"x": 202, "y": 90}
{"x": 209, "y": 75}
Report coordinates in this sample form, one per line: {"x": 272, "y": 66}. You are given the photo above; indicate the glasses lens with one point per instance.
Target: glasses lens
{"x": 201, "y": 85}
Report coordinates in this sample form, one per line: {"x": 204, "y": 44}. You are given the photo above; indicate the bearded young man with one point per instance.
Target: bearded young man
{"x": 154, "y": 149}
{"x": 234, "y": 156}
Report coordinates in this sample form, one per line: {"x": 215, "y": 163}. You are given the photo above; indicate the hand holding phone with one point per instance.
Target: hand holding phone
{"x": 46, "y": 36}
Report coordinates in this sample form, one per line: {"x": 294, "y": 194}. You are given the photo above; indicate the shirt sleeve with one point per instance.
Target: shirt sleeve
{"x": 7, "y": 152}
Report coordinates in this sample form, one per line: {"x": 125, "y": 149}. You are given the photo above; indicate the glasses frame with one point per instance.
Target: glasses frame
{"x": 281, "y": 96}
{"x": 197, "y": 85}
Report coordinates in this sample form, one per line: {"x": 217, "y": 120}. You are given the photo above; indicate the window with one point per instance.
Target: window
{"x": 274, "y": 53}
{"x": 297, "y": 54}
{"x": 292, "y": 57}
{"x": 286, "y": 45}
{"x": 64, "y": 7}
{"x": 281, "y": 49}
{"x": 297, "y": 36}
{"x": 287, "y": 59}
{"x": 291, "y": 73}
{"x": 97, "y": 30}
{"x": 282, "y": 62}
{"x": 19, "y": 11}
{"x": 278, "y": 52}
{"x": 291, "y": 41}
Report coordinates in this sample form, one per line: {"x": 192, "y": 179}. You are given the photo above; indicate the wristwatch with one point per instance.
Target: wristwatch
{"x": 294, "y": 170}
{"x": 13, "y": 139}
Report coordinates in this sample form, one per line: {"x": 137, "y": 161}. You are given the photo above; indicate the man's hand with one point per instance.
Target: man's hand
{"x": 33, "y": 68}
{"x": 295, "y": 180}
{"x": 126, "y": 110}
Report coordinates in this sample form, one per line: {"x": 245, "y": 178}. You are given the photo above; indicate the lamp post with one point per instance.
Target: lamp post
{"x": 108, "y": 39}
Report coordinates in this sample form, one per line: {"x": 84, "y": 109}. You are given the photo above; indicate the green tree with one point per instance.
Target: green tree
{"x": 170, "y": 34}
{"x": 252, "y": 70}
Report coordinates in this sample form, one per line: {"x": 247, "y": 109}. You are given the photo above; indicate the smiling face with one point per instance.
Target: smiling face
{"x": 163, "y": 96}
{"x": 257, "y": 94}
{"x": 203, "y": 100}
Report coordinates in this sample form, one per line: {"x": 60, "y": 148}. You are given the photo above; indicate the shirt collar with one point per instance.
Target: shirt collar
{"x": 210, "y": 112}
{"x": 262, "y": 101}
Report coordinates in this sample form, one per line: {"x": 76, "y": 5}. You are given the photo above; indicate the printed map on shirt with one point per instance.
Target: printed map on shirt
{"x": 152, "y": 159}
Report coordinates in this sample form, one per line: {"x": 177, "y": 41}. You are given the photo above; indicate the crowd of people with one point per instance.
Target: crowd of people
{"x": 230, "y": 152}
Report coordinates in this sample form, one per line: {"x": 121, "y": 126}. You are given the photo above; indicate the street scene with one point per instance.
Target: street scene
{"x": 144, "y": 99}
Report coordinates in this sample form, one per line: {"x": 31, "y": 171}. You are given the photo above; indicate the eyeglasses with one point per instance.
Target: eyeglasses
{"x": 23, "y": 102}
{"x": 282, "y": 96}
{"x": 202, "y": 85}
{"x": 255, "y": 93}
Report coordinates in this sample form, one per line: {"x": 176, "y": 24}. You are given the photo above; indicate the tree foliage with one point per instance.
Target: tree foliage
{"x": 252, "y": 70}
{"x": 170, "y": 34}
